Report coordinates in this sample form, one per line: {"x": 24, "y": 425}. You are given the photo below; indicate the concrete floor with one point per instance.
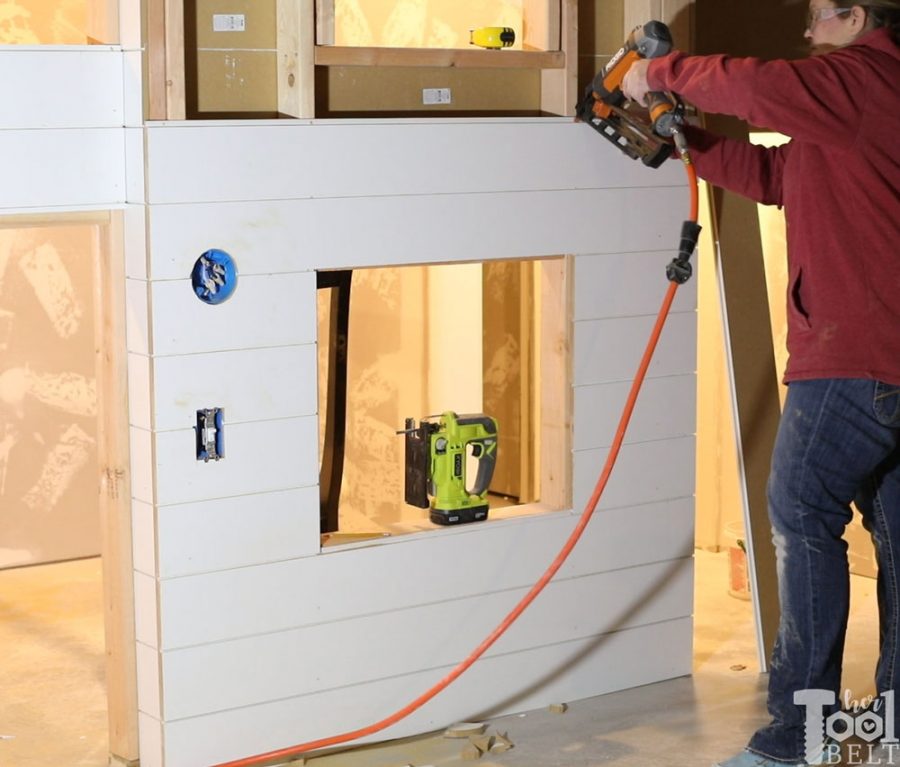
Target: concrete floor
{"x": 52, "y": 696}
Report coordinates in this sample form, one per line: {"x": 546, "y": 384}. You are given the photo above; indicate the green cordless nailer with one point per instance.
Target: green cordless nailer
{"x": 436, "y": 452}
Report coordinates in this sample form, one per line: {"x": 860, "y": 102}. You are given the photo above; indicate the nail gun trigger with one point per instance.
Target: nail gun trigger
{"x": 477, "y": 449}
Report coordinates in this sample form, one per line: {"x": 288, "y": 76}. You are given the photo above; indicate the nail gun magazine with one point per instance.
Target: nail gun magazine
{"x": 642, "y": 132}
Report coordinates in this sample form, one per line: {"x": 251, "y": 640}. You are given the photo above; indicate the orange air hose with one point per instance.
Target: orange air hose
{"x": 574, "y": 536}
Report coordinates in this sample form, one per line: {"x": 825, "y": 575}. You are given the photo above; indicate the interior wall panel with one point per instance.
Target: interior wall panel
{"x": 197, "y": 162}
{"x": 420, "y": 192}
{"x": 611, "y": 349}
{"x": 355, "y": 232}
{"x": 218, "y": 606}
{"x": 627, "y": 284}
{"x": 63, "y": 168}
{"x": 646, "y": 472}
{"x": 573, "y": 670}
{"x": 259, "y": 668}
{"x": 86, "y": 83}
{"x": 264, "y": 311}
{"x": 230, "y": 380}
{"x": 654, "y": 416}
{"x": 230, "y": 533}
{"x": 260, "y": 456}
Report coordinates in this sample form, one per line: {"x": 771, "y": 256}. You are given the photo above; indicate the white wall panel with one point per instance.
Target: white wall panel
{"x": 85, "y": 83}
{"x": 251, "y": 384}
{"x": 238, "y": 532}
{"x": 146, "y": 613}
{"x": 646, "y": 472}
{"x": 197, "y": 162}
{"x": 260, "y": 456}
{"x": 627, "y": 284}
{"x": 566, "y": 672}
{"x": 141, "y": 456}
{"x": 339, "y": 585}
{"x": 287, "y": 643}
{"x": 267, "y": 667}
{"x": 69, "y": 168}
{"x": 134, "y": 165}
{"x": 137, "y": 316}
{"x": 143, "y": 532}
{"x": 665, "y": 408}
{"x": 304, "y": 234}
{"x": 132, "y": 87}
{"x": 148, "y": 662}
{"x": 151, "y": 740}
{"x": 272, "y": 310}
{"x": 139, "y": 388}
{"x": 611, "y": 349}
{"x": 135, "y": 224}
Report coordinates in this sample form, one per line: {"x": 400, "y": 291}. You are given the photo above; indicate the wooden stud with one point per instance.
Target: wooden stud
{"x": 164, "y": 62}
{"x": 324, "y": 22}
{"x": 155, "y": 60}
{"x": 555, "y": 348}
{"x": 175, "y": 81}
{"x": 115, "y": 492}
{"x": 559, "y": 86}
{"x": 296, "y": 68}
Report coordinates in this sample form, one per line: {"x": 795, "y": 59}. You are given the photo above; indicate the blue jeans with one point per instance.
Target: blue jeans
{"x": 838, "y": 441}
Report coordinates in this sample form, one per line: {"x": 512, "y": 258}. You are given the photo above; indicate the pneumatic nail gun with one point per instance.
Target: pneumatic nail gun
{"x": 644, "y": 133}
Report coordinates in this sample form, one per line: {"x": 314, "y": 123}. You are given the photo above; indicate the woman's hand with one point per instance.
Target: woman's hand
{"x": 634, "y": 84}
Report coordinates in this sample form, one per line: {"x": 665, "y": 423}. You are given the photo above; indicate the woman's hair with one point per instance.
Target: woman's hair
{"x": 881, "y": 13}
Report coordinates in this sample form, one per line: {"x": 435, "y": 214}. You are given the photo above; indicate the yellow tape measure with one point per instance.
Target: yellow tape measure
{"x": 492, "y": 37}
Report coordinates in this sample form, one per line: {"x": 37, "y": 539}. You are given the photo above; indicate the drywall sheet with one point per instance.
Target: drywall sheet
{"x": 244, "y": 649}
{"x": 49, "y": 506}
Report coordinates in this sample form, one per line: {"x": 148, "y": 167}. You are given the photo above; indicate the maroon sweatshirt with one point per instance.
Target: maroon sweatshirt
{"x": 838, "y": 180}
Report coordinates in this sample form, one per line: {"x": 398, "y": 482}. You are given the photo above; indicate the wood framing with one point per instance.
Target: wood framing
{"x": 559, "y": 88}
{"x": 555, "y": 354}
{"x": 296, "y": 41}
{"x": 332, "y": 55}
{"x": 115, "y": 491}
{"x": 164, "y": 68}
{"x": 550, "y": 42}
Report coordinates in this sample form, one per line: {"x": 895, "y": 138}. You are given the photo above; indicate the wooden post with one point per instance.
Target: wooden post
{"x": 115, "y": 492}
{"x": 559, "y": 87}
{"x": 296, "y": 54}
{"x": 555, "y": 354}
{"x": 164, "y": 69}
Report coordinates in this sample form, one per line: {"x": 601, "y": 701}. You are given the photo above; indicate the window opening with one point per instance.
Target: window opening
{"x": 418, "y": 341}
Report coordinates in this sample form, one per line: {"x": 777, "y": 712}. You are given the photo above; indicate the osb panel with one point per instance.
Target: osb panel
{"x": 370, "y": 89}
{"x": 239, "y": 81}
{"x": 48, "y": 401}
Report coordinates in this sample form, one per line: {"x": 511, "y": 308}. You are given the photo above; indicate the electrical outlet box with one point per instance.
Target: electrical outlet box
{"x": 229, "y": 22}
{"x": 436, "y": 96}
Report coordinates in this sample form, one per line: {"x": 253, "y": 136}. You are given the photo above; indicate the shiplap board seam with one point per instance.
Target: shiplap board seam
{"x": 212, "y": 738}
{"x": 640, "y": 596}
{"x": 440, "y": 668}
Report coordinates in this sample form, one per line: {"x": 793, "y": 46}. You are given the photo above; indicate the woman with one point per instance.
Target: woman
{"x": 838, "y": 180}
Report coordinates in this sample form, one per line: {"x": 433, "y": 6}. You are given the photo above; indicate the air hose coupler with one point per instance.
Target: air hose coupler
{"x": 679, "y": 269}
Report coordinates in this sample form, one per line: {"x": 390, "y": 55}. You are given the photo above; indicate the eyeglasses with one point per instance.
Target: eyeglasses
{"x": 816, "y": 15}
